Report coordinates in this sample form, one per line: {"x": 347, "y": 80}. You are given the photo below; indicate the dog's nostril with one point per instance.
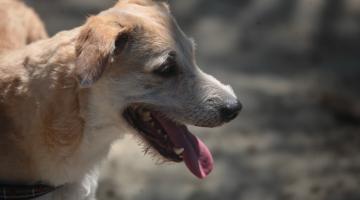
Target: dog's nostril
{"x": 230, "y": 111}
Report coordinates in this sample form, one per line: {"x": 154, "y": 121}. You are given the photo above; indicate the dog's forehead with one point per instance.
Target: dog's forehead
{"x": 155, "y": 19}
{"x": 152, "y": 13}
{"x": 160, "y": 33}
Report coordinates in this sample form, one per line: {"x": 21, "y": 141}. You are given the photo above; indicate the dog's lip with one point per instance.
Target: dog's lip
{"x": 179, "y": 145}
{"x": 153, "y": 135}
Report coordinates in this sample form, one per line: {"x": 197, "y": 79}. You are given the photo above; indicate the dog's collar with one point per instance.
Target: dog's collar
{"x": 23, "y": 192}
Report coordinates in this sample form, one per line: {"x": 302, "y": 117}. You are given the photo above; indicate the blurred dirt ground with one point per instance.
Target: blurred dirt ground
{"x": 295, "y": 66}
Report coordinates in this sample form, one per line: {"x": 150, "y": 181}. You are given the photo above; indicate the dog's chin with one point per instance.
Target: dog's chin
{"x": 171, "y": 139}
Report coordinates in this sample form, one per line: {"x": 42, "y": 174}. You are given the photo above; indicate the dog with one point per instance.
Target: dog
{"x": 19, "y": 25}
{"x": 66, "y": 99}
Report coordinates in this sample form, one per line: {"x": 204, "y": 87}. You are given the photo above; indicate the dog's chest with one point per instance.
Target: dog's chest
{"x": 93, "y": 148}
{"x": 102, "y": 126}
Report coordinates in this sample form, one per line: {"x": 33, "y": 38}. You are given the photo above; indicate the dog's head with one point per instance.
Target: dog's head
{"x": 136, "y": 57}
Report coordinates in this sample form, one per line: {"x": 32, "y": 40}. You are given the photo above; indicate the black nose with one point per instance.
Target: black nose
{"x": 230, "y": 111}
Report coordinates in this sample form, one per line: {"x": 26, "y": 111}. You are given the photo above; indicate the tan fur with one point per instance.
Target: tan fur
{"x": 61, "y": 98}
{"x": 41, "y": 117}
{"x": 39, "y": 108}
{"x": 96, "y": 42}
{"x": 19, "y": 25}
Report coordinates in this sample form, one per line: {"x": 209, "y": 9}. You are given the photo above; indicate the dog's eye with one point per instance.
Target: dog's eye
{"x": 168, "y": 69}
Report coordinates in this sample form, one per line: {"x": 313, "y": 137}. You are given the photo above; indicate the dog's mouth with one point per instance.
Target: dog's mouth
{"x": 170, "y": 139}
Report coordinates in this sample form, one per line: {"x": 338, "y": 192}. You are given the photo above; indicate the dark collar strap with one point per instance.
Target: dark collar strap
{"x": 23, "y": 192}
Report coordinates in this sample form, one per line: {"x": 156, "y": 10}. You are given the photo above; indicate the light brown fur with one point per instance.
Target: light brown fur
{"x": 61, "y": 98}
{"x": 40, "y": 100}
{"x": 19, "y": 25}
{"x": 39, "y": 108}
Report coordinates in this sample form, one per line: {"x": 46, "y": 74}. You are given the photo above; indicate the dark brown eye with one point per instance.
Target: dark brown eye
{"x": 167, "y": 69}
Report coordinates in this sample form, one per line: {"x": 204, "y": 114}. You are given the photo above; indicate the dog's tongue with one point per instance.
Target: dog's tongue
{"x": 197, "y": 156}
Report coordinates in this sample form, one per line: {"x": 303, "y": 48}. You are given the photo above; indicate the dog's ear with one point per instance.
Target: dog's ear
{"x": 99, "y": 39}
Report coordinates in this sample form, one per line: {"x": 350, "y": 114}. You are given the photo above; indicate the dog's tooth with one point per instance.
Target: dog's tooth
{"x": 179, "y": 151}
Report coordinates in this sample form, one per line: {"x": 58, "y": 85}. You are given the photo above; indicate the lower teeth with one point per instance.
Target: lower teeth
{"x": 178, "y": 151}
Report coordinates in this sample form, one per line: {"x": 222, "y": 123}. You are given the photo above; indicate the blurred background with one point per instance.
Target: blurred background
{"x": 295, "y": 64}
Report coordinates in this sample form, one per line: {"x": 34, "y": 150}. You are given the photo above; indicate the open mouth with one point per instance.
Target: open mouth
{"x": 170, "y": 139}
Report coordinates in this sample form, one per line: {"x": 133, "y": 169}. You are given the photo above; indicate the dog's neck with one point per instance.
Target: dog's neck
{"x": 50, "y": 122}
{"x": 58, "y": 51}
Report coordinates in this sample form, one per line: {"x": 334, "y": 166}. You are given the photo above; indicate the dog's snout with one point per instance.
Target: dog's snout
{"x": 230, "y": 110}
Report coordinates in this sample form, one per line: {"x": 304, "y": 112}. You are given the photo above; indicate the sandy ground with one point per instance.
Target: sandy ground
{"x": 295, "y": 66}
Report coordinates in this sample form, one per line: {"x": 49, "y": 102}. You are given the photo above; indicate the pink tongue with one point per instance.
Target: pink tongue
{"x": 197, "y": 156}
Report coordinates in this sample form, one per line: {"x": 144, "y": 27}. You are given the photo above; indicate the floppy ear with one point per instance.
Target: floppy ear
{"x": 95, "y": 45}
